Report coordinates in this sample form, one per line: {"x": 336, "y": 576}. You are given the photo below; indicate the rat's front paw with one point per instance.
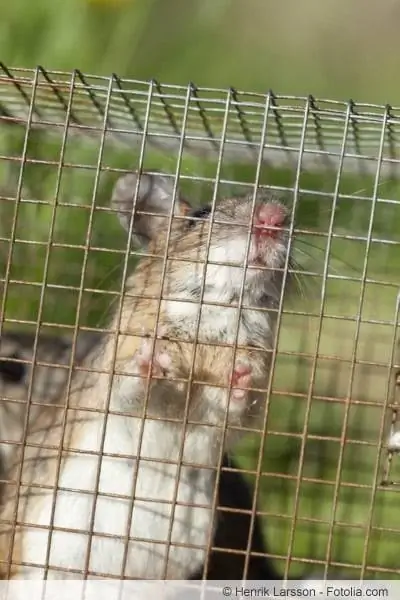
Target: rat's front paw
{"x": 241, "y": 380}
{"x": 155, "y": 364}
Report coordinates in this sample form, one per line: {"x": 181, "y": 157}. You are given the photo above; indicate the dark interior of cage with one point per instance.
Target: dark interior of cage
{"x": 326, "y": 484}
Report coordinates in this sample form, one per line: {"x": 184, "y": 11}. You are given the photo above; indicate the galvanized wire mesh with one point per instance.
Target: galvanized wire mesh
{"x": 334, "y": 360}
{"x": 126, "y": 109}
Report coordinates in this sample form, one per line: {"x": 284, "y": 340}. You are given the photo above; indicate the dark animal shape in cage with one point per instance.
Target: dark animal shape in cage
{"x": 49, "y": 376}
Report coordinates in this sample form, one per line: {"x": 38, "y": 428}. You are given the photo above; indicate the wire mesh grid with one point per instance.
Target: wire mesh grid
{"x": 121, "y": 107}
{"x": 331, "y": 355}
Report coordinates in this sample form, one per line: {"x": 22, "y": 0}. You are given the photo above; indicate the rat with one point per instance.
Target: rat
{"x": 233, "y": 528}
{"x": 146, "y": 425}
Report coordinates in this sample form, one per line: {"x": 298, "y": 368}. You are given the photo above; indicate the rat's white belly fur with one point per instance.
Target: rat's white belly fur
{"x": 150, "y": 520}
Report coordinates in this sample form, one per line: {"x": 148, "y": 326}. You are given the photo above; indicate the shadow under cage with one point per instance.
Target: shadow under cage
{"x": 199, "y": 354}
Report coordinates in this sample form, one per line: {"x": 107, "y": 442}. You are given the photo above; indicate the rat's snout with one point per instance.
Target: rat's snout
{"x": 268, "y": 219}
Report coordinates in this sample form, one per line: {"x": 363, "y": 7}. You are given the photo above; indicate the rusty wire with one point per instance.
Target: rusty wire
{"x": 224, "y": 126}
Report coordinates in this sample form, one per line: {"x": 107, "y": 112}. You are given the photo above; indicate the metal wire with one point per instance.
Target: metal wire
{"x": 126, "y": 117}
{"x": 334, "y": 353}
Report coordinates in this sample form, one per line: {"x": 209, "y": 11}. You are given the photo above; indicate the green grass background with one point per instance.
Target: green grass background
{"x": 335, "y": 49}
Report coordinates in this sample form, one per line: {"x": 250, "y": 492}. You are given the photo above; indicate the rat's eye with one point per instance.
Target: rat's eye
{"x": 10, "y": 371}
{"x": 199, "y": 213}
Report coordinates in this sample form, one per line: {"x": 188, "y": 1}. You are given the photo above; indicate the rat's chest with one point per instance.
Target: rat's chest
{"x": 219, "y": 322}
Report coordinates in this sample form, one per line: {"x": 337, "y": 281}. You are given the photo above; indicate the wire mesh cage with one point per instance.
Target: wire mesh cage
{"x": 239, "y": 304}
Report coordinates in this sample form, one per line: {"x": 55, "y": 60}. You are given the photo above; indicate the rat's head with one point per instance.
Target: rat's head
{"x": 246, "y": 243}
{"x": 239, "y": 242}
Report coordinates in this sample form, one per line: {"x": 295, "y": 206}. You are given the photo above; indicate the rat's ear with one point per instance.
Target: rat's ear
{"x": 155, "y": 195}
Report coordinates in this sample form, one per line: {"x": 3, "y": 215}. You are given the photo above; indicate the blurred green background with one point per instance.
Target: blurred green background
{"x": 333, "y": 49}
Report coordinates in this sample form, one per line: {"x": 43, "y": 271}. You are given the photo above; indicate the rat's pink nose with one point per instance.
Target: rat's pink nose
{"x": 268, "y": 218}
